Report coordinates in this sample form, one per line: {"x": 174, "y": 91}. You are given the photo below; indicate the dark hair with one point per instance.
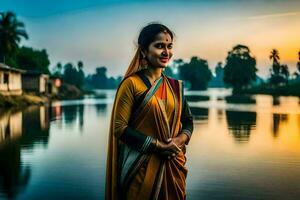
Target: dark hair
{"x": 149, "y": 32}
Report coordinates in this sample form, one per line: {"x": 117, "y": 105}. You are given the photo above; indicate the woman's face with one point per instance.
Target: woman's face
{"x": 160, "y": 51}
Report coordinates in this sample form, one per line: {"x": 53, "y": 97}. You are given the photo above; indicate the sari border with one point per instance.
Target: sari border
{"x": 176, "y": 89}
{"x": 148, "y": 96}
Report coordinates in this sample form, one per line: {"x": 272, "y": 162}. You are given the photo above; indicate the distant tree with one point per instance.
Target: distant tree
{"x": 196, "y": 72}
{"x": 11, "y": 33}
{"x": 31, "y": 59}
{"x": 218, "y": 79}
{"x": 173, "y": 70}
{"x": 240, "y": 68}
{"x": 168, "y": 71}
{"x": 99, "y": 80}
{"x": 298, "y": 64}
{"x": 219, "y": 71}
{"x": 80, "y": 75}
{"x": 284, "y": 71}
{"x": 279, "y": 73}
{"x": 274, "y": 56}
{"x": 57, "y": 71}
{"x": 69, "y": 73}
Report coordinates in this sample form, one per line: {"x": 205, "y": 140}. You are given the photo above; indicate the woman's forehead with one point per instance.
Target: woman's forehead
{"x": 163, "y": 37}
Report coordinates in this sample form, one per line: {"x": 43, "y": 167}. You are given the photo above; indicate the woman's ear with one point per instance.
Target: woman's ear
{"x": 143, "y": 54}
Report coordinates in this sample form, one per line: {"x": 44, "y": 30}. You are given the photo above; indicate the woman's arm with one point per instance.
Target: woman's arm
{"x": 187, "y": 125}
{"x": 137, "y": 140}
{"x": 186, "y": 121}
{"x": 124, "y": 104}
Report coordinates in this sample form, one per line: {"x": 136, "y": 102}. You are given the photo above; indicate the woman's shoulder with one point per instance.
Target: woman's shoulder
{"x": 131, "y": 81}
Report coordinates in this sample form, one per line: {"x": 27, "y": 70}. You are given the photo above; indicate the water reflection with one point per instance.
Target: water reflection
{"x": 240, "y": 124}
{"x": 277, "y": 120}
{"x": 101, "y": 109}
{"x": 35, "y": 126}
{"x": 21, "y": 130}
{"x": 276, "y": 100}
{"x": 200, "y": 114}
{"x": 14, "y": 176}
{"x": 50, "y": 152}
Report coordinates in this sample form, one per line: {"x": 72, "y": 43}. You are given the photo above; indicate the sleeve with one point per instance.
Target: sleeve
{"x": 186, "y": 120}
{"x": 123, "y": 108}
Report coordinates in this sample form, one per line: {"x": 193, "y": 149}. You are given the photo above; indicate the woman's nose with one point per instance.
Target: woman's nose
{"x": 165, "y": 52}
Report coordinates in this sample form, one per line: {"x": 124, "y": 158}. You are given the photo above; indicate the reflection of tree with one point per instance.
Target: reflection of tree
{"x": 199, "y": 113}
{"x": 35, "y": 126}
{"x": 101, "y": 109}
{"x": 71, "y": 113}
{"x": 277, "y": 119}
{"x": 276, "y": 101}
{"x": 220, "y": 114}
{"x": 80, "y": 112}
{"x": 13, "y": 175}
{"x": 240, "y": 124}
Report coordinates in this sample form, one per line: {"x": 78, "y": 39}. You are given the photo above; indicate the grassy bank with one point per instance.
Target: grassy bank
{"x": 22, "y": 100}
{"x": 283, "y": 90}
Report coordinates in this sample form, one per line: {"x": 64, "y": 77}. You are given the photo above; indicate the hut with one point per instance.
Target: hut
{"x": 10, "y": 80}
{"x": 35, "y": 82}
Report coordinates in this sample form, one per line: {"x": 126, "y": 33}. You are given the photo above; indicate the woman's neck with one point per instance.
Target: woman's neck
{"x": 153, "y": 73}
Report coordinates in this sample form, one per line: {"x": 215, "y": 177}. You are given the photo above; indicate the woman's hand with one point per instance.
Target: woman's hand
{"x": 180, "y": 140}
{"x": 168, "y": 150}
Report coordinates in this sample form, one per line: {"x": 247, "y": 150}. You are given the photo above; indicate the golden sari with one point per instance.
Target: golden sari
{"x": 132, "y": 174}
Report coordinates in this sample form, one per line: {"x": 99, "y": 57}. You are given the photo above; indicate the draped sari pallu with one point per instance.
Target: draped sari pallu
{"x": 133, "y": 174}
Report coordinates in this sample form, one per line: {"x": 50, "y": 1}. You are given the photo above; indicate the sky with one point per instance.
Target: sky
{"x": 104, "y": 33}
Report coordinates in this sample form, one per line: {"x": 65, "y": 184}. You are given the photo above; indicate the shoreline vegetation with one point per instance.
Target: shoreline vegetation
{"x": 69, "y": 81}
{"x": 67, "y": 92}
{"x": 282, "y": 90}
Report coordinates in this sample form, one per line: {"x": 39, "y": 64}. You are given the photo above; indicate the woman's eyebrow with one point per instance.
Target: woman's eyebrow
{"x": 163, "y": 42}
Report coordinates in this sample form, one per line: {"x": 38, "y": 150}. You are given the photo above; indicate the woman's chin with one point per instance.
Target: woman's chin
{"x": 164, "y": 65}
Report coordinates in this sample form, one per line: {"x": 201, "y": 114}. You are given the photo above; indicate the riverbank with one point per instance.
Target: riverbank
{"x": 292, "y": 89}
{"x": 66, "y": 92}
{"x": 22, "y": 100}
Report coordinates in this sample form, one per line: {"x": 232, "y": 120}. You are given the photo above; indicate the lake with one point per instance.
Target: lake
{"x": 237, "y": 151}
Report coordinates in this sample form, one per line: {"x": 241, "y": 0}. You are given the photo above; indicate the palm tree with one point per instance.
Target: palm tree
{"x": 298, "y": 63}
{"x": 275, "y": 57}
{"x": 285, "y": 72}
{"x": 80, "y": 64}
{"x": 11, "y": 32}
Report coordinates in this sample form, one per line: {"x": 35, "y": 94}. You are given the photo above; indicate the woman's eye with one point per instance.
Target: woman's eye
{"x": 170, "y": 46}
{"x": 159, "y": 46}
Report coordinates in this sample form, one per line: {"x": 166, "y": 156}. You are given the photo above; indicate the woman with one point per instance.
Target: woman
{"x": 150, "y": 125}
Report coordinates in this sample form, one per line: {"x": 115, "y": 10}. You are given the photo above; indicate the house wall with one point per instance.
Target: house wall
{"x": 3, "y": 86}
{"x": 14, "y": 84}
{"x": 42, "y": 87}
{"x": 30, "y": 83}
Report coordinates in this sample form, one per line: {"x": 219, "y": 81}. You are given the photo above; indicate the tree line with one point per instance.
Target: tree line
{"x": 239, "y": 70}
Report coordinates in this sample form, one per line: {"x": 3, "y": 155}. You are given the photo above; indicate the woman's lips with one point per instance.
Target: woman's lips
{"x": 164, "y": 60}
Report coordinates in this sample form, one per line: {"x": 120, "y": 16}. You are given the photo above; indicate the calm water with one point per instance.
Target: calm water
{"x": 238, "y": 151}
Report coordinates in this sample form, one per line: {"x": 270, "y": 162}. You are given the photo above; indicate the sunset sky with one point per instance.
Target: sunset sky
{"x": 103, "y": 33}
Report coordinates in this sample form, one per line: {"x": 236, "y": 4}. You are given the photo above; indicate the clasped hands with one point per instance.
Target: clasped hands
{"x": 172, "y": 147}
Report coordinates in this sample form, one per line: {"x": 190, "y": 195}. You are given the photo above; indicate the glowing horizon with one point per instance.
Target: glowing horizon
{"x": 101, "y": 33}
